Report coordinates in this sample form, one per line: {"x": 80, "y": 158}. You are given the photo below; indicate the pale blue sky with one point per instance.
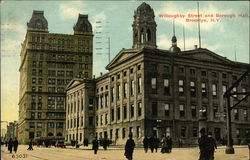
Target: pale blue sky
{"x": 116, "y": 18}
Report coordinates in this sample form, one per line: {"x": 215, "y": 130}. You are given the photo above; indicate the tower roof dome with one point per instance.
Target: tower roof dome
{"x": 38, "y": 21}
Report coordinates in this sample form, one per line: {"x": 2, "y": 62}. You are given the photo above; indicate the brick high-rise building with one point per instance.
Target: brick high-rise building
{"x": 48, "y": 63}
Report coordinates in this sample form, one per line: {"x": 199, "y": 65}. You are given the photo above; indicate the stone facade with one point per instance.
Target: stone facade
{"x": 49, "y": 61}
{"x": 149, "y": 91}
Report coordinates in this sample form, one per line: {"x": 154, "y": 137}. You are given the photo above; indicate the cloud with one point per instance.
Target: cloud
{"x": 171, "y": 8}
{"x": 71, "y": 10}
{"x": 13, "y": 27}
{"x": 10, "y": 45}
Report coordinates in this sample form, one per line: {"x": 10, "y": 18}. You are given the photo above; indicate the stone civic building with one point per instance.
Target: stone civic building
{"x": 150, "y": 91}
{"x": 49, "y": 61}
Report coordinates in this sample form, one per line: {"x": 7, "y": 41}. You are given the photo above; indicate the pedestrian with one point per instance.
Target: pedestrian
{"x": 203, "y": 146}
{"x": 30, "y": 145}
{"x": 145, "y": 144}
{"x": 10, "y": 145}
{"x": 105, "y": 143}
{"x": 156, "y": 143}
{"x": 180, "y": 142}
{"x": 212, "y": 146}
{"x": 86, "y": 142}
{"x": 169, "y": 144}
{"x": 95, "y": 145}
{"x": 129, "y": 147}
{"x": 15, "y": 144}
{"x": 164, "y": 144}
{"x": 6, "y": 143}
{"x": 151, "y": 144}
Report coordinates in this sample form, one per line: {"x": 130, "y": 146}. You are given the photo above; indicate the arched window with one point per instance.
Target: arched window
{"x": 148, "y": 35}
{"x": 59, "y": 134}
{"x": 50, "y": 134}
{"x": 142, "y": 36}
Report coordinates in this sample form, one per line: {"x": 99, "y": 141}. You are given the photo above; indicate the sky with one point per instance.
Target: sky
{"x": 226, "y": 36}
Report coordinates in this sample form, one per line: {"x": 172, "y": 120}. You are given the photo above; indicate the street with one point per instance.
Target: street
{"x": 241, "y": 153}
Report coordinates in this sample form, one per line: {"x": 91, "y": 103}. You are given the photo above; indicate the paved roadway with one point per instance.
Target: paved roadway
{"x": 41, "y": 153}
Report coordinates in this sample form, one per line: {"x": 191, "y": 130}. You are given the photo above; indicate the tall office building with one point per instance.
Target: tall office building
{"x": 48, "y": 63}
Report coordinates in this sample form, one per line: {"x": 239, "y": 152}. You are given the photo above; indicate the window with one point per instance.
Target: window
{"x": 33, "y": 80}
{"x": 192, "y": 89}
{"x": 117, "y": 133}
{"x": 132, "y": 87}
{"x": 50, "y": 124}
{"x": 38, "y": 134}
{"x": 236, "y": 114}
{"x": 166, "y": 109}
{"x": 106, "y": 100}
{"x": 183, "y": 131}
{"x": 182, "y": 110}
{"x": 39, "y": 124}
{"x": 203, "y": 73}
{"x": 247, "y": 133}
{"x": 106, "y": 118}
{"x": 166, "y": 69}
{"x": 214, "y": 90}
{"x": 131, "y": 70}
{"x": 224, "y": 75}
{"x": 215, "y": 110}
{"x": 139, "y": 109}
{"x": 112, "y": 94}
{"x": 224, "y": 88}
{"x": 204, "y": 111}
{"x": 245, "y": 114}
{"x": 32, "y": 115}
{"x": 192, "y": 71}
{"x": 112, "y": 114}
{"x": 123, "y": 132}
{"x": 138, "y": 131}
{"x": 139, "y": 85}
{"x": 125, "y": 89}
{"x": 96, "y": 120}
{"x": 235, "y": 91}
{"x": 214, "y": 74}
{"x": 153, "y": 85}
{"x": 118, "y": 91}
{"x": 238, "y": 132}
{"x": 166, "y": 87}
{"x": 132, "y": 110}
{"x": 91, "y": 120}
{"x": 125, "y": 73}
{"x": 32, "y": 124}
{"x": 111, "y": 133}
{"x": 118, "y": 113}
{"x": 125, "y": 112}
{"x": 139, "y": 67}
{"x": 39, "y": 115}
{"x": 154, "y": 108}
{"x": 203, "y": 89}
{"x": 193, "y": 111}
{"x": 181, "y": 70}
{"x": 181, "y": 87}
{"x": 101, "y": 119}
{"x": 118, "y": 76}
{"x": 195, "y": 131}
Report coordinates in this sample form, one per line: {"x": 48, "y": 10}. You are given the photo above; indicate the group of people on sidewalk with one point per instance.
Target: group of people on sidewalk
{"x": 153, "y": 144}
{"x": 12, "y": 145}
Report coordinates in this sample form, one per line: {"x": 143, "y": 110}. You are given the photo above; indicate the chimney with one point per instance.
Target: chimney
{"x": 195, "y": 47}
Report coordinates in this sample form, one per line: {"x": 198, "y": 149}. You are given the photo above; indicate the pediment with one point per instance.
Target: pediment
{"x": 207, "y": 55}
{"x": 121, "y": 56}
{"x": 73, "y": 82}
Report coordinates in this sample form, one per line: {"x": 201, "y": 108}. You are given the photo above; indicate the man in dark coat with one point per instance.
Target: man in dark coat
{"x": 151, "y": 143}
{"x": 169, "y": 144}
{"x": 129, "y": 147}
{"x": 156, "y": 143}
{"x": 86, "y": 142}
{"x": 203, "y": 145}
{"x": 30, "y": 145}
{"x": 15, "y": 144}
{"x": 145, "y": 144}
{"x": 212, "y": 145}
{"x": 105, "y": 143}
{"x": 95, "y": 145}
{"x": 10, "y": 145}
